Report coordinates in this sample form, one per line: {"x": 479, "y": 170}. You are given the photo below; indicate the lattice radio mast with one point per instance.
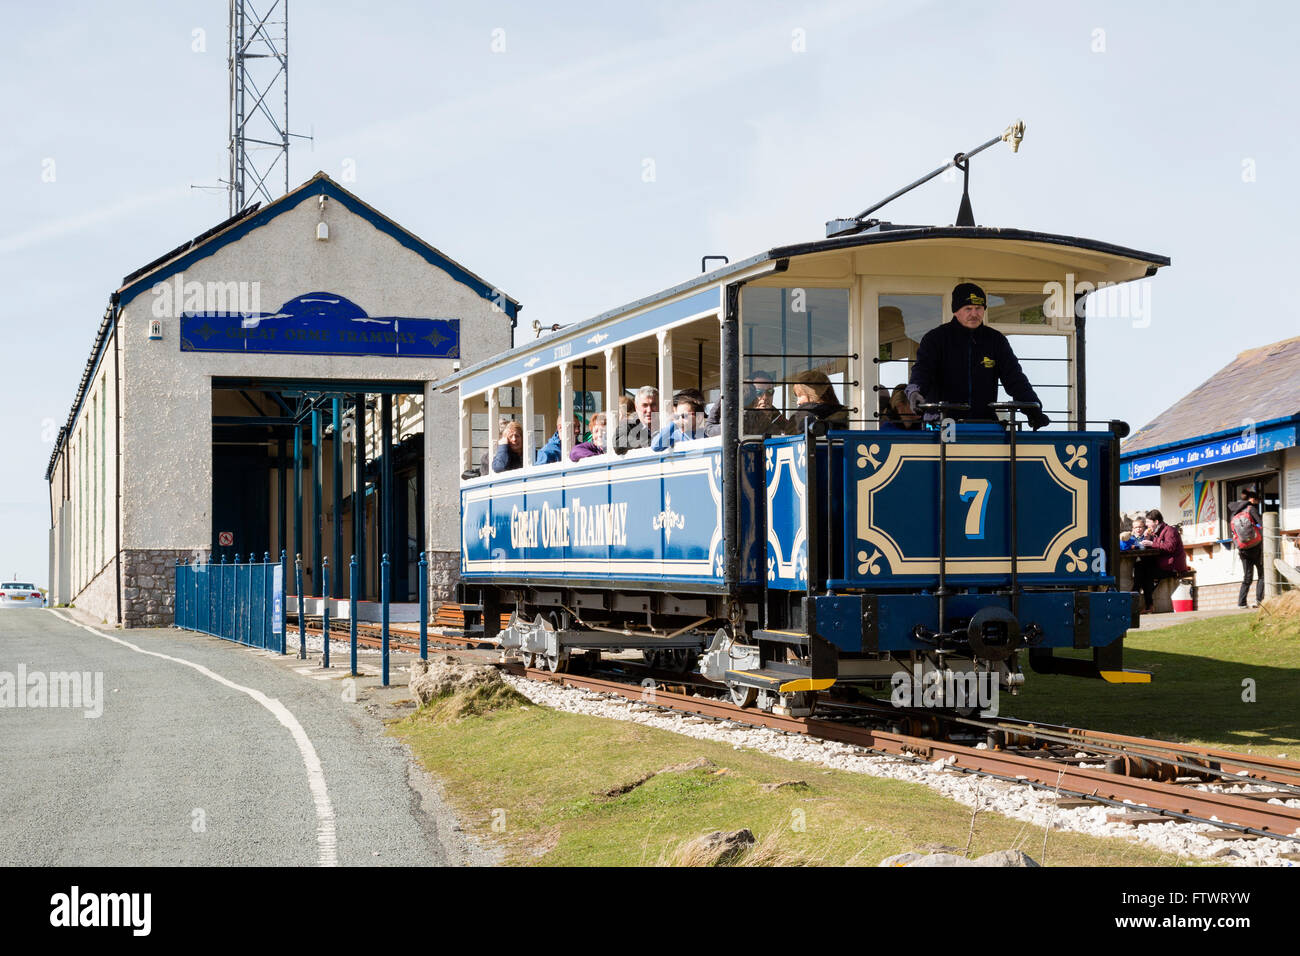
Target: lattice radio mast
{"x": 259, "y": 102}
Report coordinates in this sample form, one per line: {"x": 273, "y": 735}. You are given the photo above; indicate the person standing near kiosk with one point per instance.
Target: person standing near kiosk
{"x": 1248, "y": 536}
{"x": 963, "y": 360}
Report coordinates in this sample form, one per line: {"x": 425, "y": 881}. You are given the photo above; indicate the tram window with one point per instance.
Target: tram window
{"x": 509, "y": 402}
{"x": 546, "y": 406}
{"x": 480, "y": 434}
{"x": 790, "y": 330}
{"x": 697, "y": 357}
{"x": 638, "y": 365}
{"x": 904, "y": 320}
{"x": 588, "y": 393}
{"x": 1045, "y": 361}
{"x": 1023, "y": 308}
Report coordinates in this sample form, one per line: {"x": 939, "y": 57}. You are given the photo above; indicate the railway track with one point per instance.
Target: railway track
{"x": 1164, "y": 779}
{"x": 1237, "y": 813}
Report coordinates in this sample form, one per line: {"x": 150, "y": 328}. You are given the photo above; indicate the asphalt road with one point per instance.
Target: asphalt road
{"x": 201, "y": 752}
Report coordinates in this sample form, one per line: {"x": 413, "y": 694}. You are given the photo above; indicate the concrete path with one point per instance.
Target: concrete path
{"x": 1153, "y": 622}
{"x": 178, "y": 748}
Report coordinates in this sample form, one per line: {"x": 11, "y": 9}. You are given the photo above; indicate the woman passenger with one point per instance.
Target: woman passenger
{"x": 817, "y": 400}
{"x": 510, "y": 448}
{"x": 596, "y": 445}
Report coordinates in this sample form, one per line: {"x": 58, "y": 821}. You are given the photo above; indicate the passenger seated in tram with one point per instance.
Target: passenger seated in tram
{"x": 687, "y": 423}
{"x": 817, "y": 400}
{"x": 510, "y": 448}
{"x": 626, "y": 410}
{"x": 553, "y": 450}
{"x": 637, "y": 432}
{"x": 594, "y": 446}
{"x": 900, "y": 414}
{"x": 761, "y": 416}
{"x": 485, "y": 463}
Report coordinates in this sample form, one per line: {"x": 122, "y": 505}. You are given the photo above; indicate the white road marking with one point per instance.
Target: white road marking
{"x": 326, "y": 832}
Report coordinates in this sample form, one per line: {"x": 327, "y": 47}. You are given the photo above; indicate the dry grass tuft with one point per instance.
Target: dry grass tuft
{"x": 770, "y": 851}
{"x": 475, "y": 701}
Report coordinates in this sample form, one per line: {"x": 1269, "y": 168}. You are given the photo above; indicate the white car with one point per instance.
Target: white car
{"x": 20, "y": 594}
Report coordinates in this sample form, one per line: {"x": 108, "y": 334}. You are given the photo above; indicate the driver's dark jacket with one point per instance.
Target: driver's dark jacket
{"x": 957, "y": 364}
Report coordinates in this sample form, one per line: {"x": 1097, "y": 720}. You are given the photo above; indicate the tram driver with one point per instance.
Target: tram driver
{"x": 963, "y": 360}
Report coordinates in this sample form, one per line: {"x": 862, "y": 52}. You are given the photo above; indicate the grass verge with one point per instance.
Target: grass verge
{"x": 1230, "y": 682}
{"x": 568, "y": 790}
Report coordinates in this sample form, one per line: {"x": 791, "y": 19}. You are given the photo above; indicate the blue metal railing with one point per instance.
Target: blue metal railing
{"x": 237, "y": 601}
{"x": 233, "y": 601}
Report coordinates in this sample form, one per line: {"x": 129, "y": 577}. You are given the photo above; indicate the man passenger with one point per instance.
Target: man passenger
{"x": 637, "y": 432}
{"x": 687, "y": 423}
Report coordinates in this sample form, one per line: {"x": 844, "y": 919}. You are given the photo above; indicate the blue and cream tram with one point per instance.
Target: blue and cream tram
{"x": 791, "y": 562}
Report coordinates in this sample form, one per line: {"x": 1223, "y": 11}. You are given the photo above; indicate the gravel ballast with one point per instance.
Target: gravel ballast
{"x": 1031, "y": 805}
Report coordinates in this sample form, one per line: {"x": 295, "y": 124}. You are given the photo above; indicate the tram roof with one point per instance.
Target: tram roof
{"x": 1118, "y": 263}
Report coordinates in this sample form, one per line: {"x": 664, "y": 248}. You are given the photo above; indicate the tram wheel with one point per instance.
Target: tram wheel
{"x": 741, "y": 695}
{"x": 555, "y": 663}
{"x": 651, "y": 657}
{"x": 528, "y": 660}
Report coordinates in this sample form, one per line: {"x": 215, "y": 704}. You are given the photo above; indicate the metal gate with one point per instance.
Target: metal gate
{"x": 238, "y": 602}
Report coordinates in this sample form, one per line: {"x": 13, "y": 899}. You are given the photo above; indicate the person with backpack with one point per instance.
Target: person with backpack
{"x": 1248, "y": 536}
{"x": 1167, "y": 542}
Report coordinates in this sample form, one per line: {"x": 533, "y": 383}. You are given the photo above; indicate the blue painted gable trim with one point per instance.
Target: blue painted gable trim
{"x": 1201, "y": 439}
{"x": 310, "y": 190}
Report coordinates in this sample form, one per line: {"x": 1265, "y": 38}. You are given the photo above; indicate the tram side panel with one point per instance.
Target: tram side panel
{"x": 650, "y": 520}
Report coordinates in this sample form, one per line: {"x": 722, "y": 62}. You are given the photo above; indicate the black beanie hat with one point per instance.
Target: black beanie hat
{"x": 967, "y": 293}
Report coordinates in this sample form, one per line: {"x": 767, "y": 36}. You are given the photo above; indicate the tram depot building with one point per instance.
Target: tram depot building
{"x": 269, "y": 385}
{"x": 1237, "y": 430}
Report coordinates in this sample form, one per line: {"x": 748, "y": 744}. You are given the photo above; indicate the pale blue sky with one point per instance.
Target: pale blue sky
{"x": 526, "y": 165}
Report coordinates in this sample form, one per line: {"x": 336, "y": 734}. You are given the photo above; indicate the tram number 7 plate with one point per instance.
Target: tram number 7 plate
{"x": 976, "y": 491}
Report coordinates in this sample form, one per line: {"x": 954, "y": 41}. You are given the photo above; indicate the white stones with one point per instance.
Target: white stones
{"x": 1034, "y": 806}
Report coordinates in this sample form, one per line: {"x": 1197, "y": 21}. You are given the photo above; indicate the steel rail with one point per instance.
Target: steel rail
{"x": 1225, "y": 810}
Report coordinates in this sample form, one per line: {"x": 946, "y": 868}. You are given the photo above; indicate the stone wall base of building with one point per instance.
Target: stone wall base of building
{"x": 444, "y": 575}
{"x": 1217, "y": 597}
{"x": 149, "y": 585}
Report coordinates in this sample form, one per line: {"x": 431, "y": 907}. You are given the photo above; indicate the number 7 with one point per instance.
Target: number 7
{"x": 976, "y": 491}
